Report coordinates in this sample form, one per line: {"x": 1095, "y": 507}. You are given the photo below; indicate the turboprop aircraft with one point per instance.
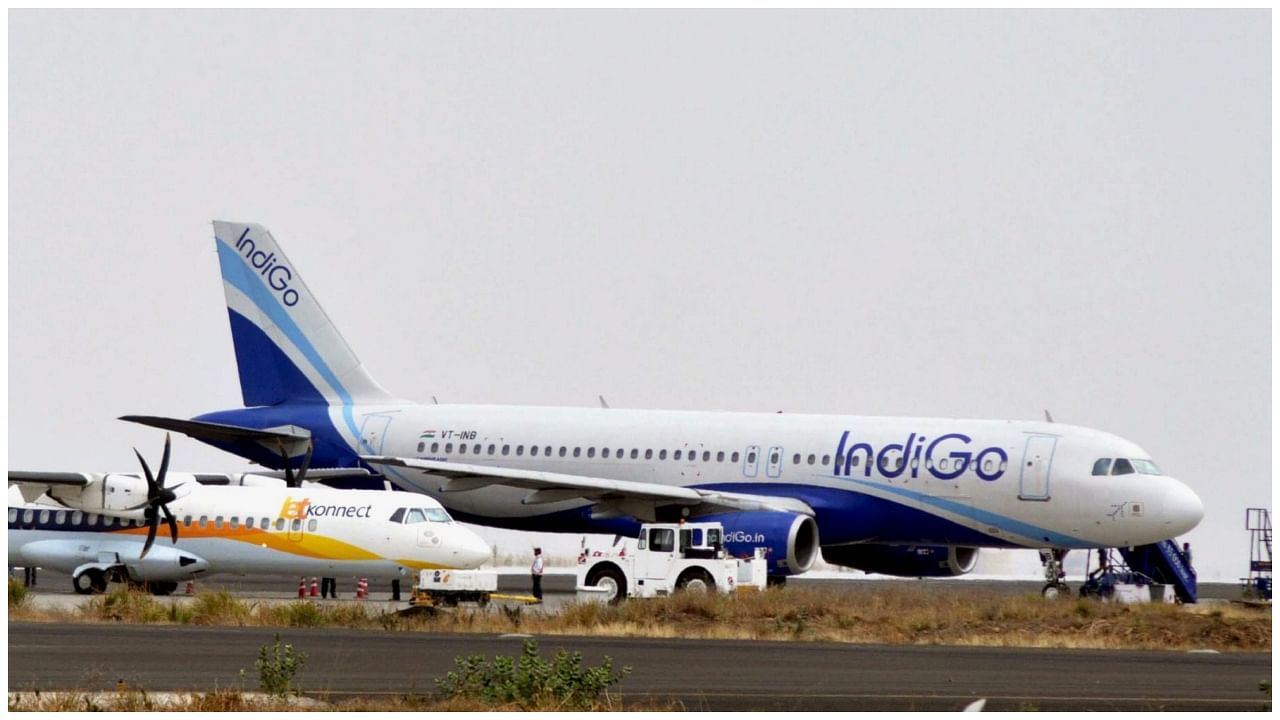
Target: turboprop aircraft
{"x": 102, "y": 526}
{"x": 906, "y": 496}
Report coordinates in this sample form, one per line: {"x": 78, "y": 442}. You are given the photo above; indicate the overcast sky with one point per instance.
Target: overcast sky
{"x": 957, "y": 214}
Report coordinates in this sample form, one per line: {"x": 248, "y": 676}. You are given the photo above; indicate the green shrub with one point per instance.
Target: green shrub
{"x": 17, "y": 594}
{"x": 300, "y": 613}
{"x": 277, "y": 665}
{"x": 531, "y": 682}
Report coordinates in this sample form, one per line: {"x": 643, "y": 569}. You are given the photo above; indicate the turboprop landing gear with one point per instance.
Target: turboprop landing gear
{"x": 1055, "y": 584}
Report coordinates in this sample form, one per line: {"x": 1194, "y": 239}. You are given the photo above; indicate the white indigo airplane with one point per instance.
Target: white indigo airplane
{"x": 905, "y": 496}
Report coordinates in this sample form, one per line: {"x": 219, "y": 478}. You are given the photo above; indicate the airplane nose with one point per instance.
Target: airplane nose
{"x": 1183, "y": 509}
{"x": 472, "y": 551}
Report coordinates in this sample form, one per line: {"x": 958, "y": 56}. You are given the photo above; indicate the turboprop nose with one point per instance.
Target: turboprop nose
{"x": 471, "y": 551}
{"x": 1183, "y": 509}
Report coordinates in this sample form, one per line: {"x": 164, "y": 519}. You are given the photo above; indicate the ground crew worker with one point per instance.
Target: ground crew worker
{"x": 536, "y": 571}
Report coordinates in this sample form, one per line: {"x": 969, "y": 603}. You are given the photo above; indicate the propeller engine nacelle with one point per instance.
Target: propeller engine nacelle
{"x": 904, "y": 560}
{"x": 119, "y": 493}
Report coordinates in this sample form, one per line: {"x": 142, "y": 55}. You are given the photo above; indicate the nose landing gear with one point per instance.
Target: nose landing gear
{"x": 1055, "y": 576}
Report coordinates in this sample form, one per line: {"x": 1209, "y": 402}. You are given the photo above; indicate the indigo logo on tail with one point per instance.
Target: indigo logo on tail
{"x": 276, "y": 274}
{"x": 895, "y": 459}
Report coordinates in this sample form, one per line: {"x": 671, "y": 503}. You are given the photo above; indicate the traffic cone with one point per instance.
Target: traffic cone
{"x": 302, "y": 587}
{"x": 315, "y": 587}
{"x": 191, "y": 587}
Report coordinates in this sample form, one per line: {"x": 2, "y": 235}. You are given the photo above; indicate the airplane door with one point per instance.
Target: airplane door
{"x": 1037, "y": 461}
{"x": 373, "y": 432}
{"x": 660, "y": 557}
{"x": 751, "y": 461}
{"x": 775, "y": 461}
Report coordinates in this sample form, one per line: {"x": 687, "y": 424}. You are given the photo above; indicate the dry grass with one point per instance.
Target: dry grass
{"x": 893, "y": 615}
{"x": 134, "y": 700}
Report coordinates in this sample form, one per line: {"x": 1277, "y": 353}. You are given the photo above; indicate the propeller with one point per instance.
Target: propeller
{"x": 158, "y": 499}
{"x": 290, "y": 480}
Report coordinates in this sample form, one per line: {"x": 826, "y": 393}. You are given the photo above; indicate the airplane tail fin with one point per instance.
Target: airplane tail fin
{"x": 287, "y": 349}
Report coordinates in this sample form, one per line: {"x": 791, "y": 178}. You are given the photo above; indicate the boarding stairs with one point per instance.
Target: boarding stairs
{"x": 1258, "y": 522}
{"x": 1165, "y": 563}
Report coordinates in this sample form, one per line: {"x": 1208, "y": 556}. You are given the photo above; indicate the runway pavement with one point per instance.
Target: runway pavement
{"x": 701, "y": 675}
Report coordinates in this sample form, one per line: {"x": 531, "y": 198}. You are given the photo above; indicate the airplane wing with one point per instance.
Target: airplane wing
{"x": 313, "y": 474}
{"x": 639, "y": 499}
{"x": 33, "y": 484}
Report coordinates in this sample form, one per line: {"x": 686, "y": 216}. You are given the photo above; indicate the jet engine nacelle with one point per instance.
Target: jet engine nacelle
{"x": 904, "y": 560}
{"x": 791, "y": 539}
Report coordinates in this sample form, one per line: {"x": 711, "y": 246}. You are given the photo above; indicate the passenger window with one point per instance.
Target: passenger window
{"x": 265, "y": 524}
{"x": 506, "y": 449}
{"x": 279, "y": 524}
{"x": 720, "y": 456}
{"x": 662, "y": 540}
{"x": 448, "y": 448}
{"x": 635, "y": 453}
{"x": 422, "y": 446}
{"x": 662, "y": 454}
{"x": 987, "y": 466}
{"x": 217, "y": 522}
{"x": 795, "y": 460}
{"x": 855, "y": 461}
{"x": 235, "y": 522}
{"x": 577, "y": 452}
{"x": 60, "y": 517}
{"x": 533, "y": 451}
{"x": 397, "y": 516}
{"x": 775, "y": 457}
{"x": 435, "y": 447}
{"x": 547, "y": 451}
{"x": 1122, "y": 467}
{"x": 492, "y": 448}
{"x": 675, "y": 455}
{"x": 734, "y": 458}
{"x": 13, "y": 515}
{"x": 751, "y": 457}
{"x": 476, "y": 449}
{"x": 296, "y": 525}
{"x": 706, "y": 456}
{"x": 942, "y": 463}
{"x": 76, "y": 517}
{"x": 825, "y": 459}
{"x": 519, "y": 450}
{"x": 44, "y": 517}
{"x": 591, "y": 452}
{"x": 311, "y": 525}
{"x": 563, "y": 450}
{"x": 248, "y": 523}
{"x": 462, "y": 449}
{"x": 605, "y": 453}
{"x": 648, "y": 454}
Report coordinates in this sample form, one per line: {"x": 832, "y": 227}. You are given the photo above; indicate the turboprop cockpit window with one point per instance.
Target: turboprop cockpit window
{"x": 1146, "y": 467}
{"x": 397, "y": 516}
{"x": 1102, "y": 466}
{"x": 1122, "y": 467}
{"x": 415, "y": 516}
{"x": 438, "y": 515}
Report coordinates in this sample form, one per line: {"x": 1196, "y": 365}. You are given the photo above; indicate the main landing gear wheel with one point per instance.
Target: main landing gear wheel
{"x": 90, "y": 582}
{"x": 696, "y": 580}
{"x": 611, "y": 579}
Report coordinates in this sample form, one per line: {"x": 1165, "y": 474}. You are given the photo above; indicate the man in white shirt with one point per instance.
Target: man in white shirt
{"x": 536, "y": 570}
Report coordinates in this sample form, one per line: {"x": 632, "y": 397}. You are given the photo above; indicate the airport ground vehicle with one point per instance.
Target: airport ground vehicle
{"x": 450, "y": 587}
{"x": 667, "y": 557}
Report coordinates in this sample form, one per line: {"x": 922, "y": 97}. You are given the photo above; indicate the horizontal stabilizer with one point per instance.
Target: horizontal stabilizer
{"x": 208, "y": 431}
{"x": 317, "y": 474}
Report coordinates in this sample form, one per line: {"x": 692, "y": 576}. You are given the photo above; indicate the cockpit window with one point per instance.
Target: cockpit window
{"x": 398, "y": 515}
{"x": 1122, "y": 467}
{"x": 1146, "y": 467}
{"x": 438, "y": 515}
{"x": 415, "y": 516}
{"x": 1102, "y": 466}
